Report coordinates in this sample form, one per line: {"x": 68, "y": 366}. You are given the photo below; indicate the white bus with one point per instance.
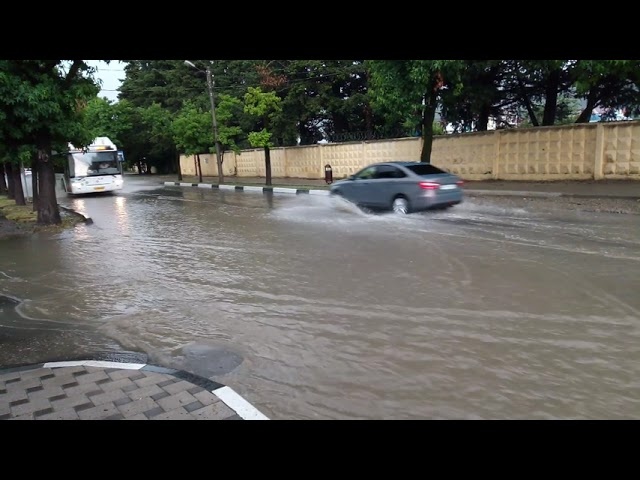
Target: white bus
{"x": 98, "y": 168}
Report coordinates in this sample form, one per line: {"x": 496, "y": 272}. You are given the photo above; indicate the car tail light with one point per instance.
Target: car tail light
{"x": 460, "y": 183}
{"x": 429, "y": 185}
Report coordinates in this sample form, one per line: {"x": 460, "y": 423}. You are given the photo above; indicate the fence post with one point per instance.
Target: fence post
{"x": 495, "y": 174}
{"x": 598, "y": 167}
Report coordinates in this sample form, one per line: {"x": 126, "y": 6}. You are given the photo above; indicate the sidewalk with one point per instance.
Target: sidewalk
{"x": 115, "y": 390}
{"x": 614, "y": 189}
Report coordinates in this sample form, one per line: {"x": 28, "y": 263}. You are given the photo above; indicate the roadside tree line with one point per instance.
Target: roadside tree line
{"x": 164, "y": 107}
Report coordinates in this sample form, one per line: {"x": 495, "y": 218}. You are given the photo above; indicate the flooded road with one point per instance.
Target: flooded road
{"x": 312, "y": 309}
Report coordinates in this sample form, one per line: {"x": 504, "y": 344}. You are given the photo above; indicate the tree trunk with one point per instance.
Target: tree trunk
{"x": 267, "y": 164}
{"x": 527, "y": 103}
{"x": 551, "y": 103}
{"x": 199, "y": 166}
{"x": 3, "y": 183}
{"x": 483, "y": 118}
{"x": 48, "y": 211}
{"x": 11, "y": 188}
{"x": 17, "y": 185}
{"x": 34, "y": 182}
{"x": 592, "y": 101}
{"x": 219, "y": 161}
{"x": 428, "y": 117}
{"x": 178, "y": 166}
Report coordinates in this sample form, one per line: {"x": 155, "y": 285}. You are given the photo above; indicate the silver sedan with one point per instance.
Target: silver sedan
{"x": 403, "y": 187}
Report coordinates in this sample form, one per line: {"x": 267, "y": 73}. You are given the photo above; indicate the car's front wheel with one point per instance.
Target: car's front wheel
{"x": 400, "y": 206}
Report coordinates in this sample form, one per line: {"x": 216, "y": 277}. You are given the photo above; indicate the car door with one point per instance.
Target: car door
{"x": 358, "y": 189}
{"x": 384, "y": 186}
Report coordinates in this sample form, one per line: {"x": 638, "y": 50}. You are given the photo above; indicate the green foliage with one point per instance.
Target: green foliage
{"x": 266, "y": 106}
{"x": 260, "y": 139}
{"x": 261, "y": 104}
{"x": 230, "y": 132}
{"x": 193, "y": 130}
{"x": 106, "y": 119}
{"x": 44, "y": 99}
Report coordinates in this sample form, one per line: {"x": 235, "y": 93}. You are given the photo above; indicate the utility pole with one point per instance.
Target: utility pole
{"x": 211, "y": 85}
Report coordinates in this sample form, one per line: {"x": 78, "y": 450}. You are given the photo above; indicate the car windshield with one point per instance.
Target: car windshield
{"x": 425, "y": 169}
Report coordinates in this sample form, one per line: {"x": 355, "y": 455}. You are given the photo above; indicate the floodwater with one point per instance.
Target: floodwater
{"x": 312, "y": 309}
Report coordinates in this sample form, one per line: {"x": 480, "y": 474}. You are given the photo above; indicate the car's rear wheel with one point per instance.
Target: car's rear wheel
{"x": 400, "y": 206}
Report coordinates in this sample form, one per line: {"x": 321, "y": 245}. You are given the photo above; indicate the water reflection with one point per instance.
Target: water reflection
{"x": 122, "y": 216}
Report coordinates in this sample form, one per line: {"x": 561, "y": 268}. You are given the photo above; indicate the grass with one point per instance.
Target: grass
{"x": 24, "y": 216}
{"x": 17, "y": 213}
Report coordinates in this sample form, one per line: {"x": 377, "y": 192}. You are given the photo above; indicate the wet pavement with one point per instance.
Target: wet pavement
{"x": 311, "y": 309}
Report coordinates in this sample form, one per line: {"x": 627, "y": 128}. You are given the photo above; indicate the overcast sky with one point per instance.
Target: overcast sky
{"x": 111, "y": 75}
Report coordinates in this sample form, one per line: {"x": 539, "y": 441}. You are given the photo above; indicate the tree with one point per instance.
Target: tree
{"x": 192, "y": 132}
{"x": 3, "y": 183}
{"x": 163, "y": 152}
{"x": 230, "y": 133}
{"x": 606, "y": 83}
{"x": 266, "y": 106}
{"x": 411, "y": 89}
{"x": 43, "y": 103}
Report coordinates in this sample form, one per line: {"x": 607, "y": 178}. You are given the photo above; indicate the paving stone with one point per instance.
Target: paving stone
{"x": 139, "y": 416}
{"x": 80, "y": 389}
{"x": 9, "y": 378}
{"x": 160, "y": 395}
{"x": 13, "y": 396}
{"x": 23, "y": 384}
{"x": 30, "y": 374}
{"x": 217, "y": 411}
{"x": 144, "y": 392}
{"x": 120, "y": 374}
{"x": 153, "y": 412}
{"x": 46, "y": 393}
{"x": 64, "y": 414}
{"x": 93, "y": 376}
{"x": 138, "y": 406}
{"x": 69, "y": 402}
{"x": 92, "y": 393}
{"x": 175, "y": 414}
{"x": 30, "y": 407}
{"x": 42, "y": 412}
{"x": 58, "y": 380}
{"x": 99, "y": 412}
{"x": 150, "y": 378}
{"x": 110, "y": 396}
{"x": 233, "y": 417}
{"x": 179, "y": 386}
{"x": 117, "y": 416}
{"x": 118, "y": 384}
{"x": 206, "y": 398}
{"x": 178, "y": 400}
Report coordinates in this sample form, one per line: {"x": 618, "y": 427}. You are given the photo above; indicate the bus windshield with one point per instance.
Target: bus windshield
{"x": 91, "y": 164}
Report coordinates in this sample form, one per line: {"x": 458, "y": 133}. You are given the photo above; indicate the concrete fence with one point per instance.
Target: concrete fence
{"x": 572, "y": 152}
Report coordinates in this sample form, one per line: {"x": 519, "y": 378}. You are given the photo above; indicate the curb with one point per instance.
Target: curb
{"x": 251, "y": 188}
{"x": 86, "y": 219}
{"x": 226, "y": 394}
{"x": 311, "y": 191}
{"x": 516, "y": 193}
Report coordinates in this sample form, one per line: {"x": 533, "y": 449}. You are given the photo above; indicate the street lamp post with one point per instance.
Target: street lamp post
{"x": 216, "y": 138}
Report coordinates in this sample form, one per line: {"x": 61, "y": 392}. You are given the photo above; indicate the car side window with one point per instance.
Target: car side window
{"x": 366, "y": 174}
{"x": 389, "y": 171}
